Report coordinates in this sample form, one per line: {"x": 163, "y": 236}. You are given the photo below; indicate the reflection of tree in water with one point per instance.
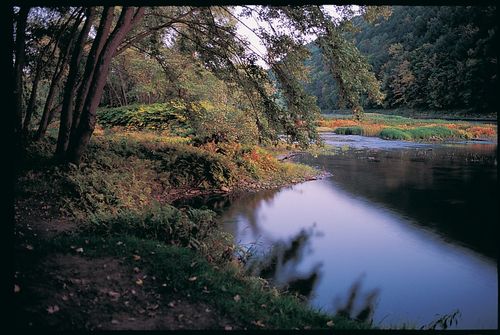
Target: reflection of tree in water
{"x": 364, "y": 313}
{"x": 247, "y": 206}
{"x": 279, "y": 265}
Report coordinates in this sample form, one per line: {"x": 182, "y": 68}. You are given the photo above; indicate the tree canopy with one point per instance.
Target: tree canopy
{"x": 72, "y": 59}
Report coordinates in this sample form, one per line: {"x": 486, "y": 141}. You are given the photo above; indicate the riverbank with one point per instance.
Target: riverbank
{"x": 450, "y": 115}
{"x": 100, "y": 247}
{"x": 395, "y": 127}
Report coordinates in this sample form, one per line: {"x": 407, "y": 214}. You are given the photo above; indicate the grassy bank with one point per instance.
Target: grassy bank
{"x": 99, "y": 246}
{"x": 395, "y": 127}
{"x": 180, "y": 274}
{"x": 132, "y": 169}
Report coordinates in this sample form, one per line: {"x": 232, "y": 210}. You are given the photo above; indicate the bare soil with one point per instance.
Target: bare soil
{"x": 69, "y": 291}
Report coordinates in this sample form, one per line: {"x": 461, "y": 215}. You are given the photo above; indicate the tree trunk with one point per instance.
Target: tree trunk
{"x": 44, "y": 122}
{"x": 117, "y": 99}
{"x": 19, "y": 64}
{"x": 128, "y": 17}
{"x": 70, "y": 87}
{"x": 122, "y": 88}
{"x": 110, "y": 98}
{"x": 30, "y": 109}
{"x": 95, "y": 50}
{"x": 48, "y": 111}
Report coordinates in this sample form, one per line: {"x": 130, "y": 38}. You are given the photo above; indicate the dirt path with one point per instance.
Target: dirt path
{"x": 69, "y": 291}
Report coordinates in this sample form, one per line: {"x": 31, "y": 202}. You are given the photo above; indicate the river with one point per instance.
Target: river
{"x": 407, "y": 230}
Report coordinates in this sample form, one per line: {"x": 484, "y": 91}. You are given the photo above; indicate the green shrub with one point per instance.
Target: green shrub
{"x": 395, "y": 134}
{"x": 188, "y": 165}
{"x": 109, "y": 182}
{"x": 224, "y": 123}
{"x": 432, "y": 132}
{"x": 193, "y": 228}
{"x": 182, "y": 164}
{"x": 355, "y": 130}
{"x": 160, "y": 116}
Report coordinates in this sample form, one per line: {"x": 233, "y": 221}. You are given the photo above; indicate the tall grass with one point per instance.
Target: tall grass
{"x": 405, "y": 128}
{"x": 394, "y": 134}
{"x": 250, "y": 301}
{"x": 438, "y": 132}
{"x": 355, "y": 130}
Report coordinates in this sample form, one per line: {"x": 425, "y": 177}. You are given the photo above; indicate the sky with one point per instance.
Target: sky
{"x": 253, "y": 23}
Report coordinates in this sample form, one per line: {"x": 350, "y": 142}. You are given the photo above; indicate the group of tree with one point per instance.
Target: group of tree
{"x": 68, "y": 61}
{"x": 425, "y": 57}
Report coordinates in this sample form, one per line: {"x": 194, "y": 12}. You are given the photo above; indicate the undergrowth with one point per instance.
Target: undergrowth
{"x": 160, "y": 116}
{"x": 133, "y": 170}
{"x": 249, "y": 300}
{"x": 196, "y": 229}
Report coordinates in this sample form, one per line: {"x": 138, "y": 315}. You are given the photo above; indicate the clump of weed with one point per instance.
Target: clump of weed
{"x": 335, "y": 123}
{"x": 395, "y": 134}
{"x": 437, "y": 132}
{"x": 192, "y": 166}
{"x": 257, "y": 161}
{"x": 482, "y": 131}
{"x": 355, "y": 130}
{"x": 193, "y": 228}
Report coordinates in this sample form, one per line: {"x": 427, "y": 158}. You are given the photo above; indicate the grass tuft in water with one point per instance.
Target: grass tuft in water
{"x": 438, "y": 132}
{"x": 394, "y": 134}
{"x": 355, "y": 130}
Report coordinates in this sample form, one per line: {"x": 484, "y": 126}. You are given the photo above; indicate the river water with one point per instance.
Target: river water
{"x": 407, "y": 230}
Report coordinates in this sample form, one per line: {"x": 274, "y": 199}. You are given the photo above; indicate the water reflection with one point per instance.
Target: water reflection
{"x": 388, "y": 214}
{"x": 419, "y": 221}
{"x": 355, "y": 308}
{"x": 450, "y": 188}
{"x": 223, "y": 203}
{"x": 279, "y": 265}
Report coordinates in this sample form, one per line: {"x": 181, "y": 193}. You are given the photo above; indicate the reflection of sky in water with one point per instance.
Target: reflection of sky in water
{"x": 356, "y": 141}
{"x": 418, "y": 275}
{"x": 364, "y": 142}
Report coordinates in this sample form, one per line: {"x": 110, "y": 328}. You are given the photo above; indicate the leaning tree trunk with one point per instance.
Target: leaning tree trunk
{"x": 95, "y": 50}
{"x": 48, "y": 111}
{"x": 129, "y": 16}
{"x": 71, "y": 88}
{"x": 54, "y": 42}
{"x": 19, "y": 64}
{"x": 53, "y": 90}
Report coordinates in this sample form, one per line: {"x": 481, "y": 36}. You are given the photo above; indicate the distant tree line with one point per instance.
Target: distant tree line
{"x": 425, "y": 57}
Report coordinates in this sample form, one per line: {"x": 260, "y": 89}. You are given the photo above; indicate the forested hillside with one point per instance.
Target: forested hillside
{"x": 439, "y": 58}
